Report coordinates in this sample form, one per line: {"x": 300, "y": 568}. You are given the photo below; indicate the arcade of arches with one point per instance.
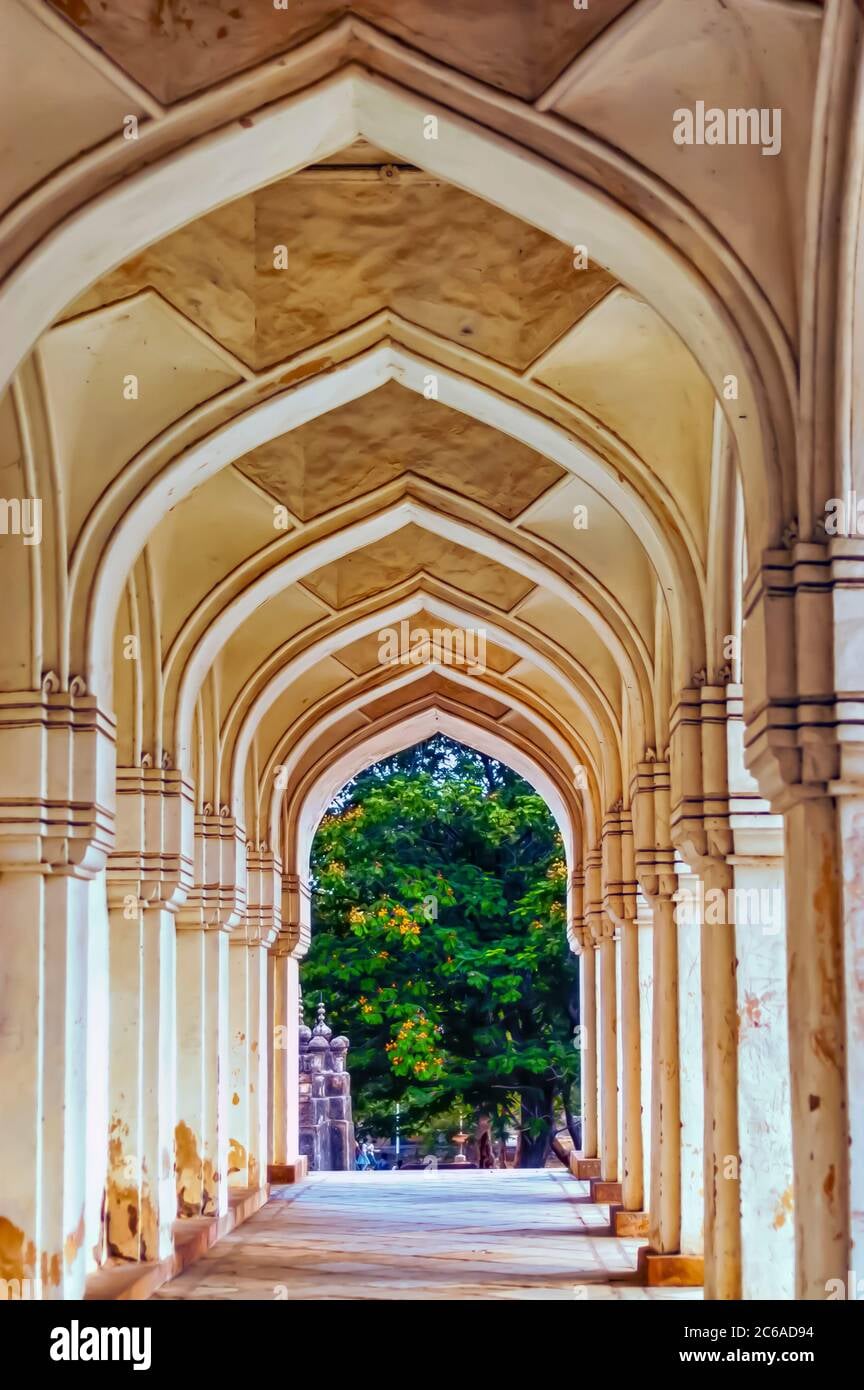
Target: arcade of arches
{"x": 408, "y": 317}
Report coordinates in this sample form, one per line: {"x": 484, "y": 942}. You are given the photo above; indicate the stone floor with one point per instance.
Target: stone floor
{"x": 425, "y": 1235}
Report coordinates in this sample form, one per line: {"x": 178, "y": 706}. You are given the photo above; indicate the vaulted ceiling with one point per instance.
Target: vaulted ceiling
{"x": 366, "y": 394}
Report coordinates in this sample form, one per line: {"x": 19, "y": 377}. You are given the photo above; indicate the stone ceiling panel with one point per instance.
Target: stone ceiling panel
{"x": 325, "y": 677}
{"x": 176, "y": 47}
{"x": 389, "y": 432}
{"x": 115, "y": 379}
{"x": 551, "y": 691}
{"x": 436, "y": 683}
{"x": 550, "y": 616}
{"x": 410, "y": 551}
{"x": 201, "y": 539}
{"x": 632, "y": 372}
{"x": 54, "y": 103}
{"x": 364, "y": 655}
{"x": 277, "y": 621}
{"x": 586, "y": 526}
{"x": 727, "y": 54}
{"x": 290, "y": 265}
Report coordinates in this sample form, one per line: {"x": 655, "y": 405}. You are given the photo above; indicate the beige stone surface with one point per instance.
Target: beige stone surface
{"x": 177, "y": 49}
{"x": 424, "y": 1236}
{"x": 387, "y": 433}
{"x": 408, "y": 552}
{"x": 431, "y": 252}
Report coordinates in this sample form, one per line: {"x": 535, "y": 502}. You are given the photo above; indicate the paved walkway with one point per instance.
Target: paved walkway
{"x": 471, "y": 1235}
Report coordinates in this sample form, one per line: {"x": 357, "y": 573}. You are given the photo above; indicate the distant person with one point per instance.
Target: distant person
{"x": 485, "y": 1157}
{"x": 373, "y": 1159}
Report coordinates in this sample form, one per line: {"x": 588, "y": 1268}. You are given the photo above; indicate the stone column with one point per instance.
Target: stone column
{"x": 149, "y": 875}
{"x": 240, "y": 1010}
{"x": 817, "y": 1045}
{"x": 803, "y": 641}
{"x": 632, "y": 1189}
{"x": 140, "y": 1199}
{"x": 608, "y": 1056}
{"x": 56, "y": 827}
{"x": 645, "y": 933}
{"x": 703, "y": 832}
{"x": 201, "y": 1132}
{"x": 213, "y": 908}
{"x": 251, "y": 993}
{"x": 259, "y": 1032}
{"x": 691, "y": 1077}
{"x": 764, "y": 1110}
{"x": 593, "y": 1047}
{"x": 654, "y": 855}
{"x": 287, "y": 1164}
{"x": 620, "y": 905}
{"x": 665, "y": 1197}
{"x": 285, "y": 976}
{"x": 851, "y": 822}
{"x": 588, "y": 1025}
{"x": 98, "y": 1052}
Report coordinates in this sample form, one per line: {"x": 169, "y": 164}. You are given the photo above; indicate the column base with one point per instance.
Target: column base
{"x": 584, "y": 1168}
{"x": 628, "y": 1224}
{"x": 193, "y": 1236}
{"x": 288, "y": 1172}
{"x": 669, "y": 1271}
{"x": 606, "y": 1193}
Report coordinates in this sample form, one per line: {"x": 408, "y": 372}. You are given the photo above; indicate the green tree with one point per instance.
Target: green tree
{"x": 439, "y": 911}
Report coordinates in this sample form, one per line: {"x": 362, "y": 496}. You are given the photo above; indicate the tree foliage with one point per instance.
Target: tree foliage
{"x": 439, "y": 911}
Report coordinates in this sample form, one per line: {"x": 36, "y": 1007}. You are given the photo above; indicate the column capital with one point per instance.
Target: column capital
{"x": 700, "y": 825}
{"x": 619, "y": 880}
{"x": 579, "y": 939}
{"x": 153, "y": 856}
{"x": 295, "y": 935}
{"x": 659, "y": 885}
{"x": 217, "y": 899}
{"x": 804, "y": 705}
{"x": 264, "y": 894}
{"x": 56, "y": 781}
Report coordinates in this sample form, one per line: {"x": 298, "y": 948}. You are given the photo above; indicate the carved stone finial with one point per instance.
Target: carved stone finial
{"x": 700, "y": 677}
{"x": 50, "y": 683}
{"x": 725, "y": 675}
{"x": 790, "y": 533}
{"x": 321, "y": 1030}
{"x": 77, "y": 686}
{"x": 146, "y": 759}
{"x": 207, "y": 808}
{"x": 166, "y": 762}
{"x": 224, "y": 811}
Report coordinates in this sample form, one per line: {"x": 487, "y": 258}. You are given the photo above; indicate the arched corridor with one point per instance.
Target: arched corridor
{"x": 379, "y": 373}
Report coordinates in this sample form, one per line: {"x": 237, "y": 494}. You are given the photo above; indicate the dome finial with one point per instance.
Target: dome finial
{"x": 321, "y": 1030}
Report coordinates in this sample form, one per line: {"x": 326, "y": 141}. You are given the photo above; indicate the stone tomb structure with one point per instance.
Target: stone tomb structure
{"x": 326, "y": 1125}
